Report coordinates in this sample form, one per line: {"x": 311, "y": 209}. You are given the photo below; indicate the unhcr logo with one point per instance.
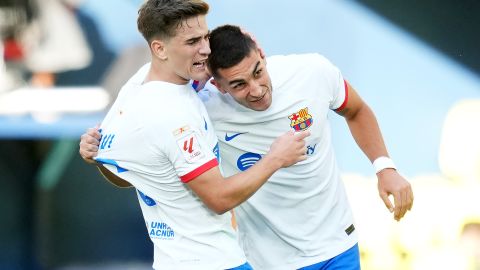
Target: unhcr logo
{"x": 160, "y": 230}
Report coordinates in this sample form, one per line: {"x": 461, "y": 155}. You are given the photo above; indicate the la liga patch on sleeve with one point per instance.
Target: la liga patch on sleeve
{"x": 190, "y": 147}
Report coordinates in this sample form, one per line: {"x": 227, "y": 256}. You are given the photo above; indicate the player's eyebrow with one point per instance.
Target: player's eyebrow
{"x": 195, "y": 39}
{"x": 256, "y": 67}
{"x": 242, "y": 80}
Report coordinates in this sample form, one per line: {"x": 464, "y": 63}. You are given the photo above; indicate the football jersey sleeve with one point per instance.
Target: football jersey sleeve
{"x": 187, "y": 146}
{"x": 337, "y": 86}
{"x": 341, "y": 97}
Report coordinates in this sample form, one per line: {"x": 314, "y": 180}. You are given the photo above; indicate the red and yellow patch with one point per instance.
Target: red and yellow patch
{"x": 301, "y": 120}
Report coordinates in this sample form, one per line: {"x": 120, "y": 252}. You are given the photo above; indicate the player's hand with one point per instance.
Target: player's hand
{"x": 390, "y": 182}
{"x": 89, "y": 143}
{"x": 289, "y": 148}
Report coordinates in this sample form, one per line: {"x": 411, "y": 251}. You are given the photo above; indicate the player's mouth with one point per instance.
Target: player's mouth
{"x": 258, "y": 100}
{"x": 200, "y": 64}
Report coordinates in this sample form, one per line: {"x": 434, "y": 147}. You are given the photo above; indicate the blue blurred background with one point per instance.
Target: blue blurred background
{"x": 412, "y": 61}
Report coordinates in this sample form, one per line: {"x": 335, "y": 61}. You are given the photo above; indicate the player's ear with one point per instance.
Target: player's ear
{"x": 159, "y": 49}
{"x": 216, "y": 84}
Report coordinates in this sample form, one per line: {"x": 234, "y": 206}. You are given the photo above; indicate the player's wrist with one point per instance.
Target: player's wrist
{"x": 272, "y": 161}
{"x": 381, "y": 163}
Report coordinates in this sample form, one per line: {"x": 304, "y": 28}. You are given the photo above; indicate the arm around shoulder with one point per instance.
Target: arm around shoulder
{"x": 223, "y": 194}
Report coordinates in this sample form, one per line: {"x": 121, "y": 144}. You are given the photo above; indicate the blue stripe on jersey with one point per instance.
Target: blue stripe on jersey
{"x": 195, "y": 85}
{"x": 216, "y": 151}
{"x": 147, "y": 200}
{"x": 348, "y": 260}
{"x": 245, "y": 266}
{"x": 111, "y": 162}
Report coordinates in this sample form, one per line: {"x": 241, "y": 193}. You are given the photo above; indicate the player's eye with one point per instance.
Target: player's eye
{"x": 192, "y": 41}
{"x": 239, "y": 86}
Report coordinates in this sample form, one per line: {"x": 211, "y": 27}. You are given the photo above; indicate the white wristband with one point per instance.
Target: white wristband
{"x": 382, "y": 163}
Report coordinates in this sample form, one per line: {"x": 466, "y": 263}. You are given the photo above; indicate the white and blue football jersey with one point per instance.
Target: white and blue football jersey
{"x": 158, "y": 137}
{"x": 301, "y": 215}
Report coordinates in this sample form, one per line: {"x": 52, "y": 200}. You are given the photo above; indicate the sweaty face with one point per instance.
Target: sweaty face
{"x": 188, "y": 50}
{"x": 248, "y": 82}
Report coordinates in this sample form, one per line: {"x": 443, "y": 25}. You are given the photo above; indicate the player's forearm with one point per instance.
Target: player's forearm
{"x": 221, "y": 194}
{"x": 366, "y": 132}
{"x": 239, "y": 187}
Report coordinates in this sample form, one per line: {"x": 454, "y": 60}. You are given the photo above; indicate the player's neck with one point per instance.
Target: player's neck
{"x": 159, "y": 71}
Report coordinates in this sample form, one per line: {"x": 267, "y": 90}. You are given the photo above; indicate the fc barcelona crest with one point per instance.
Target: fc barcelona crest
{"x": 301, "y": 120}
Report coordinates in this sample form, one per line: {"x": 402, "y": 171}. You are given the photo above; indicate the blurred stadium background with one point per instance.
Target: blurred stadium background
{"x": 417, "y": 63}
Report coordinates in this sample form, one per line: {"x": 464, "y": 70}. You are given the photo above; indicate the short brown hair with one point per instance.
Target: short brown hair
{"x": 160, "y": 18}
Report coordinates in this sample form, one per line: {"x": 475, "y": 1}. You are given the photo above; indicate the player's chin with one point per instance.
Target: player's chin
{"x": 199, "y": 74}
{"x": 260, "y": 105}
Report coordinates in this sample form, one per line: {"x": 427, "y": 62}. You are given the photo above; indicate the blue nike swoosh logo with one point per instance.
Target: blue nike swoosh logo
{"x": 229, "y": 138}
